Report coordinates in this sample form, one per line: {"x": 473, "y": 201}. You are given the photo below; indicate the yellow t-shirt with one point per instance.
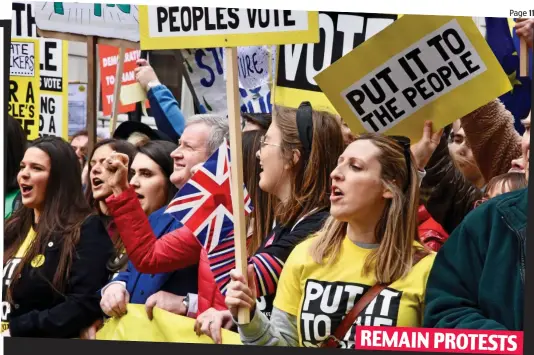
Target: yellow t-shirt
{"x": 321, "y": 295}
{"x": 9, "y": 269}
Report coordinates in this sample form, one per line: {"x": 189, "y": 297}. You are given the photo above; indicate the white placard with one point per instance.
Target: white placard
{"x": 22, "y": 60}
{"x": 118, "y": 21}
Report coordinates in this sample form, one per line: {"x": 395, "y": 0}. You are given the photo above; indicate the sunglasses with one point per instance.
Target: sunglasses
{"x": 404, "y": 142}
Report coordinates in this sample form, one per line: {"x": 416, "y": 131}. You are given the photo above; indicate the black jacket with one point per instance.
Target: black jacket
{"x": 40, "y": 311}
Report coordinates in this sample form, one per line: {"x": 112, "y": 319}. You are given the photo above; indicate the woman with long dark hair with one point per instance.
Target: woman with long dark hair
{"x": 55, "y": 248}
{"x": 98, "y": 190}
{"x": 151, "y": 171}
{"x": 15, "y": 148}
{"x": 262, "y": 218}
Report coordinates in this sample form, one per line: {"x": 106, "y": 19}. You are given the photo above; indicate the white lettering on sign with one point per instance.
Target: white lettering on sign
{"x": 437, "y": 64}
{"x": 128, "y": 57}
{"x": 340, "y": 34}
{"x": 326, "y": 304}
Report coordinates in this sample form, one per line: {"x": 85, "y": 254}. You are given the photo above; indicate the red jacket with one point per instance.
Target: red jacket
{"x": 175, "y": 250}
{"x": 431, "y": 233}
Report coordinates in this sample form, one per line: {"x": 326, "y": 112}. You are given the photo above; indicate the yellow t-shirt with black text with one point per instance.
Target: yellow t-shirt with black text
{"x": 321, "y": 295}
{"x": 9, "y": 269}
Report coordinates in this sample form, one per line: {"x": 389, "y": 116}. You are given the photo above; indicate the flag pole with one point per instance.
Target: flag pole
{"x": 236, "y": 165}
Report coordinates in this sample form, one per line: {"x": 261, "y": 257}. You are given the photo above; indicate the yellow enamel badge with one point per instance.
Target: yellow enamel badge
{"x": 38, "y": 261}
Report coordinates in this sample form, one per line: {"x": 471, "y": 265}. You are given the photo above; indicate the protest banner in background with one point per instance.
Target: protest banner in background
{"x": 164, "y": 327}
{"x": 299, "y": 63}
{"x": 206, "y": 70}
{"x": 105, "y": 20}
{"x": 108, "y": 56}
{"x": 171, "y": 27}
{"x": 419, "y": 68}
{"x": 53, "y": 60}
{"x": 53, "y": 90}
{"x": 77, "y": 107}
{"x": 255, "y": 62}
{"x": 24, "y": 85}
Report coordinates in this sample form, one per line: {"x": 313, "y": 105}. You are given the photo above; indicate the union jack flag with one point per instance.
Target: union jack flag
{"x": 204, "y": 205}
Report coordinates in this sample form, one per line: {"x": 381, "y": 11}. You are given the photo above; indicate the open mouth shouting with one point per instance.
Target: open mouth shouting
{"x": 26, "y": 190}
{"x": 97, "y": 183}
{"x": 336, "y": 194}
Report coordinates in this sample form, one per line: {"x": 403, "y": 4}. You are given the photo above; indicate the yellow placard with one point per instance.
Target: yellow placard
{"x": 24, "y": 95}
{"x": 164, "y": 27}
{"x": 54, "y": 91}
{"x": 291, "y": 97}
{"x": 164, "y": 327}
{"x": 132, "y": 93}
{"x": 420, "y": 68}
{"x": 65, "y": 92}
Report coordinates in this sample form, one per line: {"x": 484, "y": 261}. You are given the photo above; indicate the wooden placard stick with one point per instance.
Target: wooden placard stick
{"x": 272, "y": 78}
{"x": 82, "y": 38}
{"x": 238, "y": 204}
{"x": 92, "y": 109}
{"x": 523, "y": 57}
{"x": 117, "y": 90}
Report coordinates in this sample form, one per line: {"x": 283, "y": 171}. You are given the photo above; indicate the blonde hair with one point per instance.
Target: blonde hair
{"x": 138, "y": 139}
{"x": 396, "y": 230}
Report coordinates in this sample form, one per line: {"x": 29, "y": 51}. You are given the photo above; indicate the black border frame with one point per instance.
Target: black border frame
{"x": 31, "y": 346}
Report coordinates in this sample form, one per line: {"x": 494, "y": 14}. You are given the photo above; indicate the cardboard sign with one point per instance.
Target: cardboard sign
{"x": 77, "y": 107}
{"x": 108, "y": 67}
{"x": 24, "y": 85}
{"x": 53, "y": 118}
{"x": 420, "y": 68}
{"x": 298, "y": 64}
{"x": 174, "y": 27}
{"x": 254, "y": 64}
{"x": 119, "y": 21}
{"x": 206, "y": 70}
{"x": 53, "y": 63}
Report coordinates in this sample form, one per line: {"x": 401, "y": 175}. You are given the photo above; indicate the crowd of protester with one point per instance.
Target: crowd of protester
{"x": 433, "y": 227}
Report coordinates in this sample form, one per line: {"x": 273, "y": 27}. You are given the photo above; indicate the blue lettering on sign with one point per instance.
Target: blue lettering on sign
{"x": 248, "y": 65}
{"x": 199, "y": 54}
{"x": 249, "y": 97}
{"x": 217, "y": 56}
